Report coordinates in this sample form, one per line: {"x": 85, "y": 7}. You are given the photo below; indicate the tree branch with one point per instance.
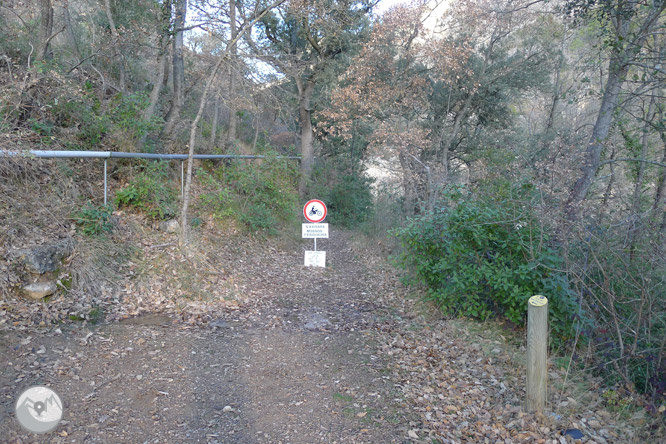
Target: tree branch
{"x": 628, "y": 159}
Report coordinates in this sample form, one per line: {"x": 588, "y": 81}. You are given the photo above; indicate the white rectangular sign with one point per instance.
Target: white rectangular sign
{"x": 315, "y": 259}
{"x": 315, "y": 231}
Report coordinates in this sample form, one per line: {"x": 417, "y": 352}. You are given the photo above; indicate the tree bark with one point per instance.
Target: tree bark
{"x": 256, "y": 135}
{"x": 623, "y": 53}
{"x": 408, "y": 187}
{"x": 157, "y": 86}
{"x": 661, "y": 186}
{"x": 305, "y": 91}
{"x": 556, "y": 96}
{"x": 446, "y": 140}
{"x": 233, "y": 119}
{"x": 184, "y": 229}
{"x": 634, "y": 226}
{"x": 116, "y": 46}
{"x": 636, "y": 204}
{"x": 213, "y": 126}
{"x": 162, "y": 52}
{"x": 178, "y": 69}
{"x": 70, "y": 32}
{"x": 441, "y": 172}
{"x": 600, "y": 132}
{"x": 45, "y": 29}
{"x": 607, "y": 194}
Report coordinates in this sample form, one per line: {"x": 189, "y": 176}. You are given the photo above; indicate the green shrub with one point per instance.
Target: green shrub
{"x": 126, "y": 112}
{"x": 84, "y": 113}
{"x": 346, "y": 192}
{"x": 261, "y": 195}
{"x": 43, "y": 128}
{"x": 95, "y": 120}
{"x": 149, "y": 192}
{"x": 481, "y": 258}
{"x": 265, "y": 191}
{"x": 94, "y": 219}
{"x": 258, "y": 217}
{"x": 350, "y": 201}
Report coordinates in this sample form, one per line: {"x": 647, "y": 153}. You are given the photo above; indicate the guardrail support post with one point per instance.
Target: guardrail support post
{"x": 182, "y": 179}
{"x": 105, "y": 183}
{"x": 537, "y": 353}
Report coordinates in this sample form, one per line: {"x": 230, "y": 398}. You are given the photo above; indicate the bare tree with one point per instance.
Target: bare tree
{"x": 223, "y": 57}
{"x": 116, "y": 46}
{"x": 70, "y": 31}
{"x": 632, "y": 22}
{"x": 45, "y": 29}
{"x": 233, "y": 119}
{"x": 162, "y": 53}
{"x": 213, "y": 124}
{"x": 178, "y": 69}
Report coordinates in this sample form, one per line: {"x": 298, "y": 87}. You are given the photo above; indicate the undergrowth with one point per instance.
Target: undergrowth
{"x": 94, "y": 219}
{"x": 481, "y": 258}
{"x": 259, "y": 195}
{"x": 150, "y": 192}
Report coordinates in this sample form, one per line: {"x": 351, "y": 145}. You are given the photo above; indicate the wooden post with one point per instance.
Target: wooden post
{"x": 537, "y": 356}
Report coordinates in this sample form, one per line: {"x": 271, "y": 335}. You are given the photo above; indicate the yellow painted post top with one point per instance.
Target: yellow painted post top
{"x": 538, "y": 301}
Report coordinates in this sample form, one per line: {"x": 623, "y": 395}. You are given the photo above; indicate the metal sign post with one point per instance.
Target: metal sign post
{"x": 315, "y": 212}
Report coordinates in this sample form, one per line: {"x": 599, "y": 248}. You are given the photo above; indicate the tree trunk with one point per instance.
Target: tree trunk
{"x": 70, "y": 32}
{"x": 408, "y": 187}
{"x": 162, "y": 51}
{"x": 305, "y": 92}
{"x": 635, "y": 223}
{"x": 233, "y": 118}
{"x": 602, "y": 125}
{"x": 184, "y": 231}
{"x": 556, "y": 88}
{"x": 45, "y": 29}
{"x": 256, "y": 135}
{"x": 178, "y": 70}
{"x": 213, "y": 126}
{"x": 449, "y": 139}
{"x": 116, "y": 46}
{"x": 636, "y": 201}
{"x": 157, "y": 86}
{"x": 438, "y": 173}
{"x": 607, "y": 194}
{"x": 556, "y": 98}
{"x": 661, "y": 187}
{"x": 624, "y": 51}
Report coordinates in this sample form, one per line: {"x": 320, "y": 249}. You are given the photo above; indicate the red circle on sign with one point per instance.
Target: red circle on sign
{"x": 315, "y": 211}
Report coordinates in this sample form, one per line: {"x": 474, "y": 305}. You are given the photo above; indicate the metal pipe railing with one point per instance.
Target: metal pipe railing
{"x": 55, "y": 154}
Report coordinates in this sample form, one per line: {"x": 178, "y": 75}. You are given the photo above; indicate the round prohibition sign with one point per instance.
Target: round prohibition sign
{"x": 315, "y": 211}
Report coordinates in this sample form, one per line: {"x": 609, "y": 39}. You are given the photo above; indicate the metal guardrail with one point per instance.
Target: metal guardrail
{"x": 121, "y": 155}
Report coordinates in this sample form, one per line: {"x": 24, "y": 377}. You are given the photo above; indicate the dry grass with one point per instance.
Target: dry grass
{"x": 37, "y": 200}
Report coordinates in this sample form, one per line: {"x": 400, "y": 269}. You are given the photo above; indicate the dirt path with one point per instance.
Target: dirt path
{"x": 301, "y": 367}
{"x": 334, "y": 355}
